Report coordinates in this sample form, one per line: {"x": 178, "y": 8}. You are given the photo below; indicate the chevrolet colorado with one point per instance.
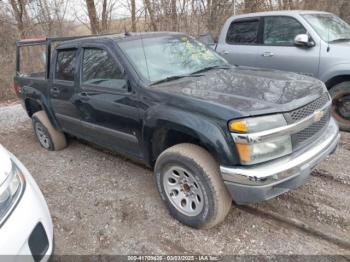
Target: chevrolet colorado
{"x": 211, "y": 131}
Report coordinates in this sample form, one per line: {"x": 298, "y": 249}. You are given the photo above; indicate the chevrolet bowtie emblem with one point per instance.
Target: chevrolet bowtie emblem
{"x": 318, "y": 115}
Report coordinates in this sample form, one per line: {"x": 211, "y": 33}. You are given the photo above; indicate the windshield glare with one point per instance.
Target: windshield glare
{"x": 329, "y": 27}
{"x": 157, "y": 58}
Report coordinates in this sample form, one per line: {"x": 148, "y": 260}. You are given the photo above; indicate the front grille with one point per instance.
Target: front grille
{"x": 310, "y": 133}
{"x": 301, "y": 113}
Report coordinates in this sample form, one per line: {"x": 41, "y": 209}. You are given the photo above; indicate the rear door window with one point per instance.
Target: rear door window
{"x": 281, "y": 30}
{"x": 65, "y": 65}
{"x": 243, "y": 32}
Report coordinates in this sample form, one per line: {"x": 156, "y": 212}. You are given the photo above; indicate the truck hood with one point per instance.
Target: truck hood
{"x": 251, "y": 91}
{"x": 344, "y": 44}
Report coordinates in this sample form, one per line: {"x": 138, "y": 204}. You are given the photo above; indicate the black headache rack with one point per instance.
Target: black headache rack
{"x": 48, "y": 43}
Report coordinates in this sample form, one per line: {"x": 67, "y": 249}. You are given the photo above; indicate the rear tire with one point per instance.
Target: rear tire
{"x": 189, "y": 182}
{"x": 340, "y": 94}
{"x": 48, "y": 137}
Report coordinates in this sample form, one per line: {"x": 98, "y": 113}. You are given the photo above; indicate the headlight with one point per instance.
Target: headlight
{"x": 264, "y": 151}
{"x": 253, "y": 152}
{"x": 10, "y": 191}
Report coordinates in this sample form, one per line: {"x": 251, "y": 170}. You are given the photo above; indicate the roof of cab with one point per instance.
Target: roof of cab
{"x": 117, "y": 37}
{"x": 283, "y": 12}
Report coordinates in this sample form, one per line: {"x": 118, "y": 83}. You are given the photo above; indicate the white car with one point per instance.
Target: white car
{"x": 26, "y": 231}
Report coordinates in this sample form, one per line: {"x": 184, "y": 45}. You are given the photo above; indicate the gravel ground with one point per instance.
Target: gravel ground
{"x": 102, "y": 203}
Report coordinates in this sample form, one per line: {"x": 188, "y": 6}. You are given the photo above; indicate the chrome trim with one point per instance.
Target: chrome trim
{"x": 280, "y": 131}
{"x": 286, "y": 167}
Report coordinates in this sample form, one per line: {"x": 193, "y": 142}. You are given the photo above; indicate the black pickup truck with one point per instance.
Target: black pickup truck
{"x": 211, "y": 131}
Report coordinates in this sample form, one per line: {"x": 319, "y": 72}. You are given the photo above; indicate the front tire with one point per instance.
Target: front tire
{"x": 48, "y": 137}
{"x": 340, "y": 94}
{"x": 189, "y": 182}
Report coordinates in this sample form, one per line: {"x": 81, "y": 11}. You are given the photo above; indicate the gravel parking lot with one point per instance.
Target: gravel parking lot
{"x": 102, "y": 203}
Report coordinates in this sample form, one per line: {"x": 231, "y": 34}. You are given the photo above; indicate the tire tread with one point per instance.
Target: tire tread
{"x": 211, "y": 170}
{"x": 58, "y": 139}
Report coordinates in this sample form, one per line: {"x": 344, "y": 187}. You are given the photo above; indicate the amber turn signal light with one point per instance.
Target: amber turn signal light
{"x": 244, "y": 152}
{"x": 238, "y": 126}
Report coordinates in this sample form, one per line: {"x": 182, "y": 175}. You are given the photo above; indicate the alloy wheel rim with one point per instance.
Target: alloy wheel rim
{"x": 183, "y": 191}
{"x": 41, "y": 134}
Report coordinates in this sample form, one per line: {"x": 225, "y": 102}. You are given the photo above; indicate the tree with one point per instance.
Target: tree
{"x": 254, "y": 5}
{"x": 94, "y": 23}
{"x": 173, "y": 15}
{"x": 104, "y": 18}
{"x": 216, "y": 13}
{"x": 47, "y": 17}
{"x": 133, "y": 16}
{"x": 151, "y": 14}
{"x": 19, "y": 10}
{"x": 344, "y": 11}
{"x": 99, "y": 23}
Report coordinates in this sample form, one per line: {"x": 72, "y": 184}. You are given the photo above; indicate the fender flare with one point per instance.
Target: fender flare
{"x": 210, "y": 134}
{"x": 339, "y": 70}
{"x": 30, "y": 93}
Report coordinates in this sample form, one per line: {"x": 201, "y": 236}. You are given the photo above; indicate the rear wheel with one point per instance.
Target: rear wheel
{"x": 190, "y": 184}
{"x": 340, "y": 94}
{"x": 48, "y": 137}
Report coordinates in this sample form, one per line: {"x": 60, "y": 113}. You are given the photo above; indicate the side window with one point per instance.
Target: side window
{"x": 65, "y": 64}
{"x": 243, "y": 32}
{"x": 100, "y": 69}
{"x": 281, "y": 30}
{"x": 33, "y": 61}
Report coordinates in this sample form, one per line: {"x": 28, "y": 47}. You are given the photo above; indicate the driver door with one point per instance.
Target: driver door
{"x": 108, "y": 108}
{"x": 278, "y": 50}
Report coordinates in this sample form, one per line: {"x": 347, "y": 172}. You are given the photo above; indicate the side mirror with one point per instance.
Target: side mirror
{"x": 207, "y": 39}
{"x": 303, "y": 40}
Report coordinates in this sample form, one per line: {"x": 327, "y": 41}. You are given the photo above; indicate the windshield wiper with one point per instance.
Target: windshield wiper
{"x": 193, "y": 74}
{"x": 171, "y": 78}
{"x": 210, "y": 68}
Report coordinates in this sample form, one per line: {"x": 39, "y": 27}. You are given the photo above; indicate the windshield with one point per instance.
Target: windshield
{"x": 329, "y": 27}
{"x": 163, "y": 57}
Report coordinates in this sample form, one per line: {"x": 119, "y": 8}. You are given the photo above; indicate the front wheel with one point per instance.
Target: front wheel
{"x": 340, "y": 94}
{"x": 189, "y": 182}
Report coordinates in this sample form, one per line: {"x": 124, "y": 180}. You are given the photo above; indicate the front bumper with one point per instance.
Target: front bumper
{"x": 29, "y": 226}
{"x": 264, "y": 181}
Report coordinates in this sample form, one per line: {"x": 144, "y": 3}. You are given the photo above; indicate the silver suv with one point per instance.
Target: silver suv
{"x": 307, "y": 42}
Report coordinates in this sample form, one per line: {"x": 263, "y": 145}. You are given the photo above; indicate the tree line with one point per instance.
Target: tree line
{"x": 50, "y": 17}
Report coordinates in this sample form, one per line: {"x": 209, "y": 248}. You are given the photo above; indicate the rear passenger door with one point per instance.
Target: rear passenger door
{"x": 62, "y": 89}
{"x": 108, "y": 107}
{"x": 278, "y": 50}
{"x": 240, "y": 45}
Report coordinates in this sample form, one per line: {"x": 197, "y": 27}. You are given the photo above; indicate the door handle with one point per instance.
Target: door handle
{"x": 84, "y": 96}
{"x": 55, "y": 91}
{"x": 267, "y": 54}
{"x": 225, "y": 52}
